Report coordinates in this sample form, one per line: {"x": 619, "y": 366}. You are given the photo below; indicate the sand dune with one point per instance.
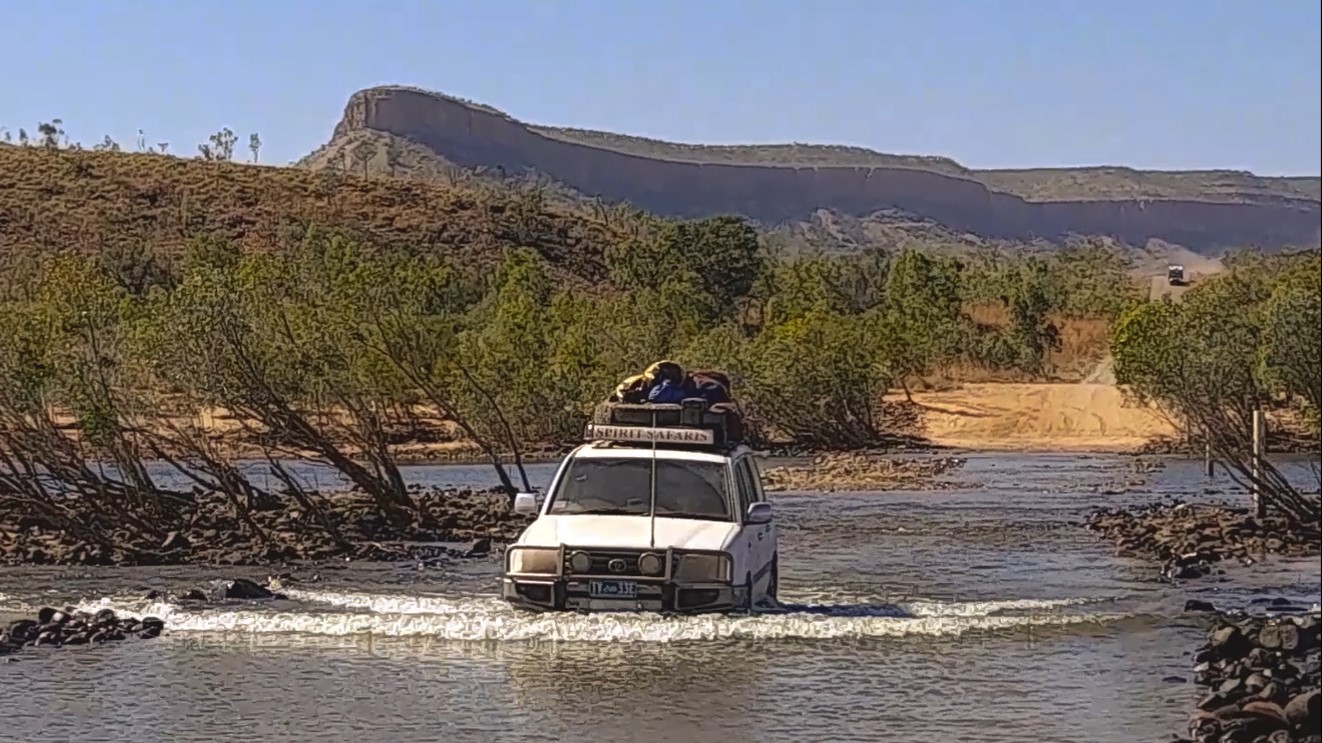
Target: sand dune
{"x": 1042, "y": 417}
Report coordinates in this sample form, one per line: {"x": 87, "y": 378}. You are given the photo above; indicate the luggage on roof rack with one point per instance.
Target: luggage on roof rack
{"x": 666, "y": 382}
{"x": 666, "y": 404}
{"x": 692, "y": 422}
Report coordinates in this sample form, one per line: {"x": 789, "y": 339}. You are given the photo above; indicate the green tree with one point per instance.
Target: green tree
{"x": 1197, "y": 362}
{"x": 107, "y": 145}
{"x": 219, "y": 146}
{"x": 66, "y": 352}
{"x": 363, "y": 153}
{"x": 1290, "y": 357}
{"x": 267, "y": 336}
{"x": 817, "y": 379}
{"x": 720, "y": 255}
{"x": 52, "y": 133}
{"x": 504, "y": 357}
{"x": 921, "y": 320}
{"x": 1028, "y": 301}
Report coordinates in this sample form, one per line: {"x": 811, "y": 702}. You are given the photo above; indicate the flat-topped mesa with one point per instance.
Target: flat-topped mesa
{"x": 1204, "y": 210}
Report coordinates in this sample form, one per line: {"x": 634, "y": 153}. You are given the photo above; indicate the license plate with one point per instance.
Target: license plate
{"x": 612, "y": 589}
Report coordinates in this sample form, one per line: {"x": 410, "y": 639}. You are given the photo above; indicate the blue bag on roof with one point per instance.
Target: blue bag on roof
{"x": 667, "y": 392}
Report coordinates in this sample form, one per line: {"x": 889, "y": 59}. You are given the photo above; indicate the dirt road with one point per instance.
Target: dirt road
{"x": 1038, "y": 417}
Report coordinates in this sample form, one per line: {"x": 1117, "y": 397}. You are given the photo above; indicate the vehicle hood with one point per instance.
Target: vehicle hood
{"x": 627, "y": 532}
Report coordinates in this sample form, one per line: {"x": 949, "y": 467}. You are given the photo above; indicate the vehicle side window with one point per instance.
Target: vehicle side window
{"x": 755, "y": 476}
{"x": 743, "y": 486}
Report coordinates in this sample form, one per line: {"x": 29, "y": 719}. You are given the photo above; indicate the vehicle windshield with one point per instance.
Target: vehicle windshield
{"x": 684, "y": 489}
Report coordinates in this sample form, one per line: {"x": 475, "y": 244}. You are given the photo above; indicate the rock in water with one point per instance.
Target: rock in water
{"x": 239, "y": 588}
{"x": 1263, "y": 677}
{"x": 1304, "y": 711}
{"x": 72, "y": 628}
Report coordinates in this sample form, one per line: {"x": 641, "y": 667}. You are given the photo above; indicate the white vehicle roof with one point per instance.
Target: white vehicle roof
{"x": 607, "y": 450}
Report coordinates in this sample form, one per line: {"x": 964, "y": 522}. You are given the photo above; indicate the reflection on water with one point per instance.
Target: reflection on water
{"x": 977, "y": 614}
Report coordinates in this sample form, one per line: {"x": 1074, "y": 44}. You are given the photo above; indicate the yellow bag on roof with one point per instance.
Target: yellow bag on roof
{"x": 634, "y": 389}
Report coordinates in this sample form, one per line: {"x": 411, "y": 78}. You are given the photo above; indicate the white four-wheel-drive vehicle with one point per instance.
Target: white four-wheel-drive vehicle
{"x": 667, "y": 514}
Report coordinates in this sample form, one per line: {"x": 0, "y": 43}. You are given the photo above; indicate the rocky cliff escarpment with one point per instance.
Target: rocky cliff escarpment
{"x": 1205, "y": 211}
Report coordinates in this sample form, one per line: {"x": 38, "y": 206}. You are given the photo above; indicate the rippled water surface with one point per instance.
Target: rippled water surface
{"x": 981, "y": 614}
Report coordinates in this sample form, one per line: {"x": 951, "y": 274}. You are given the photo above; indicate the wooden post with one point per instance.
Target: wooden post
{"x": 1259, "y": 439}
{"x": 1207, "y": 456}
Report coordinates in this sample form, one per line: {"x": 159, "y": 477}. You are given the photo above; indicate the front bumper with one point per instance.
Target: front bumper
{"x": 570, "y": 594}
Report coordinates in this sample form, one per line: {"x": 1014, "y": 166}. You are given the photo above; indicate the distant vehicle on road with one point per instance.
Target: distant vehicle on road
{"x": 1175, "y": 275}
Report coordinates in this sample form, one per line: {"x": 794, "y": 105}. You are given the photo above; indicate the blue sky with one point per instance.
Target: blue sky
{"x": 992, "y": 83}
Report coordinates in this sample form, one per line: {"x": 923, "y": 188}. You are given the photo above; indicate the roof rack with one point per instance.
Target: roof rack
{"x": 693, "y": 422}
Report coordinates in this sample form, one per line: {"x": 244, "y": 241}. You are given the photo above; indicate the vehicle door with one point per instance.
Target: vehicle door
{"x": 759, "y": 539}
{"x": 760, "y": 494}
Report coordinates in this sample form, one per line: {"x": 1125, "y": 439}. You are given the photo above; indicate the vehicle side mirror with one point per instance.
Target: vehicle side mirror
{"x": 759, "y": 513}
{"x": 525, "y": 504}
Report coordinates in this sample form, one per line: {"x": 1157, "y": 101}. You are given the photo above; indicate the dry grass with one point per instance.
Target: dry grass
{"x": 1084, "y": 342}
{"x": 54, "y": 200}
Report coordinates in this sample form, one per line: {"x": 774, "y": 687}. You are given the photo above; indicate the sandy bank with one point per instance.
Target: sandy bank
{"x": 1049, "y": 417}
{"x": 1065, "y": 417}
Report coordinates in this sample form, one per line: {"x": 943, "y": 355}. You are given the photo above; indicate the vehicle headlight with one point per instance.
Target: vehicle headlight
{"x": 703, "y": 568}
{"x": 534, "y": 560}
{"x": 651, "y": 564}
{"x": 580, "y": 562}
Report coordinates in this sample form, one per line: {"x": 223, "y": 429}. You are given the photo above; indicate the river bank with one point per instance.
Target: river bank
{"x": 1260, "y": 676}
{"x": 1189, "y": 541}
{"x": 346, "y": 524}
{"x": 1007, "y": 417}
{"x": 337, "y": 525}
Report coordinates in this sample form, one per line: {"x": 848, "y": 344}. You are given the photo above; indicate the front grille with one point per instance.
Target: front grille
{"x": 601, "y": 563}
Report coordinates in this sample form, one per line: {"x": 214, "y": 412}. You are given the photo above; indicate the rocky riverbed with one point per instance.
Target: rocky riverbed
{"x": 1262, "y": 680}
{"x": 861, "y": 472}
{"x": 1189, "y": 540}
{"x": 54, "y": 627}
{"x": 69, "y": 627}
{"x": 207, "y": 531}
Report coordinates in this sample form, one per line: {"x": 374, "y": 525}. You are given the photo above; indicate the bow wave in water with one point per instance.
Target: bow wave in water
{"x": 487, "y": 618}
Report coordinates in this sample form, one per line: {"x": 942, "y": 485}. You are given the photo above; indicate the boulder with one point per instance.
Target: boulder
{"x": 1304, "y": 711}
{"x": 239, "y": 588}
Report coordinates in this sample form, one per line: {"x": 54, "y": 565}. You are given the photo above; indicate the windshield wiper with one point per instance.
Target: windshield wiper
{"x": 611, "y": 512}
{"x": 693, "y": 516}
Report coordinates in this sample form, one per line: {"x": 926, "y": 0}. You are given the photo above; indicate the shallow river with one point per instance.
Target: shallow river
{"x": 978, "y": 614}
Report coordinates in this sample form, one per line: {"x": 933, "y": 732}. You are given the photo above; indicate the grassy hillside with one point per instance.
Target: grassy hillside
{"x": 1037, "y": 184}
{"x": 98, "y": 201}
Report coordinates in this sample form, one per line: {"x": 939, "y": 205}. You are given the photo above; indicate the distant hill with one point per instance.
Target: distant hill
{"x": 416, "y": 133}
